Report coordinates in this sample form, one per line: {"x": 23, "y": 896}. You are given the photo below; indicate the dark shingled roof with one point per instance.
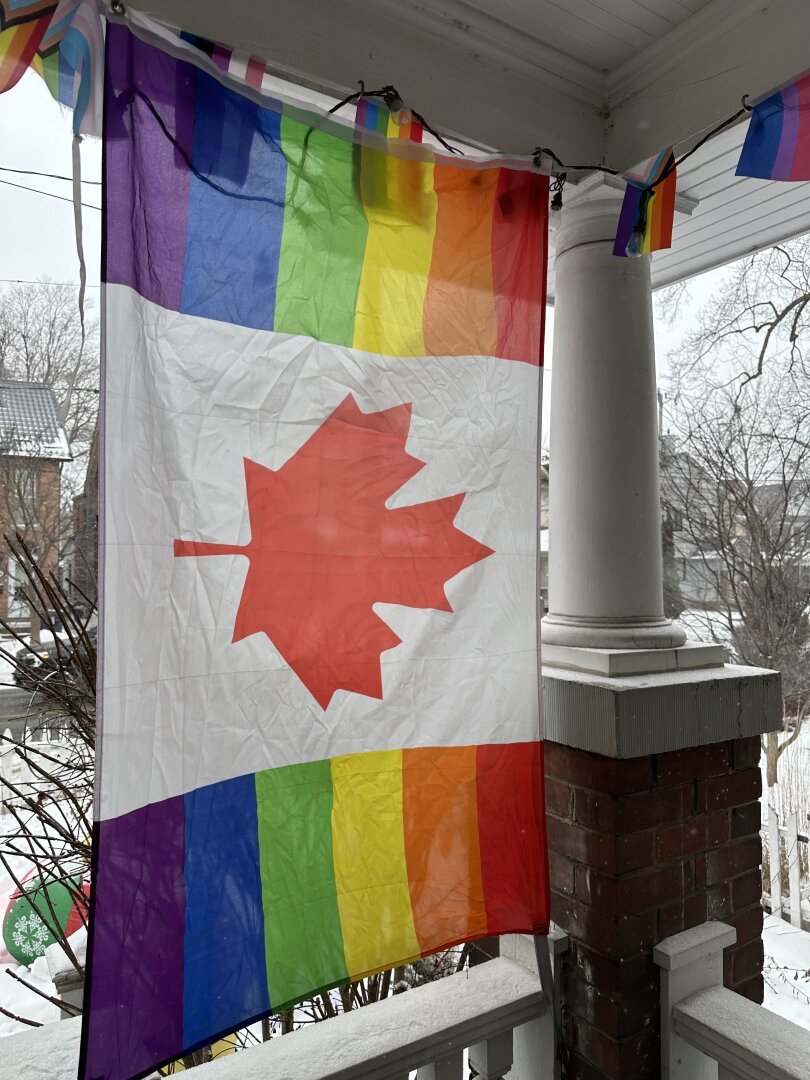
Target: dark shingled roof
{"x": 29, "y": 422}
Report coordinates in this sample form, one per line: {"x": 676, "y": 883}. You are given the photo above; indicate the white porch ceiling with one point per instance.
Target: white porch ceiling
{"x": 599, "y": 33}
{"x": 608, "y": 81}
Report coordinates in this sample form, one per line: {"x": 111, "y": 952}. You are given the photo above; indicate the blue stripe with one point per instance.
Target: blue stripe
{"x": 235, "y": 209}
{"x": 762, "y": 139}
{"x": 372, "y": 114}
{"x": 224, "y": 972}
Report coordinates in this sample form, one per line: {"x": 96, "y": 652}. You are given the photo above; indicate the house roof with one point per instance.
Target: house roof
{"x": 29, "y": 422}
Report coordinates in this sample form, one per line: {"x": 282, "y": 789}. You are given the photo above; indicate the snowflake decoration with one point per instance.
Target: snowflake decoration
{"x": 31, "y": 935}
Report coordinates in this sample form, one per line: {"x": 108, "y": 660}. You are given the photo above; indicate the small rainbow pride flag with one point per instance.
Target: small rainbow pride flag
{"x": 22, "y": 27}
{"x": 376, "y": 117}
{"x": 658, "y": 210}
{"x": 64, "y": 43}
{"x": 777, "y": 145}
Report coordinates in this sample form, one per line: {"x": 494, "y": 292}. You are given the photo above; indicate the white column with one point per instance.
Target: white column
{"x": 605, "y": 565}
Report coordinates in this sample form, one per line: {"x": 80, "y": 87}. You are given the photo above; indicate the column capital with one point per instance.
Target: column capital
{"x": 589, "y": 215}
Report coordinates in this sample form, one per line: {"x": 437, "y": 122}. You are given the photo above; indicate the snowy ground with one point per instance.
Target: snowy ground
{"x": 787, "y": 970}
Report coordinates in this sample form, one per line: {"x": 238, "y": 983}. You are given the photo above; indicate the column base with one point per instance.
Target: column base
{"x": 626, "y": 716}
{"x": 590, "y": 633}
{"x": 616, "y": 662}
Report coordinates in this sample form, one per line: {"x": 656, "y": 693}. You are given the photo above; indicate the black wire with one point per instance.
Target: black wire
{"x": 50, "y": 194}
{"x": 649, "y": 189}
{"x": 50, "y": 284}
{"x": 135, "y": 93}
{"x": 540, "y": 150}
{"x": 50, "y": 175}
{"x": 390, "y": 95}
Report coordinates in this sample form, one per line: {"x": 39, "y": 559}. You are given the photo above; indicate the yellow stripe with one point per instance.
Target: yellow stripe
{"x": 371, "y": 875}
{"x": 400, "y": 206}
{"x": 7, "y": 42}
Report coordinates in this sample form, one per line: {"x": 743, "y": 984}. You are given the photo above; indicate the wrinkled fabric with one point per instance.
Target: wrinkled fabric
{"x": 319, "y": 733}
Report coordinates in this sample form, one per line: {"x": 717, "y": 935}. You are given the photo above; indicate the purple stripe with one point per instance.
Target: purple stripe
{"x": 135, "y": 1019}
{"x": 627, "y": 219}
{"x": 790, "y": 133}
{"x": 221, "y": 57}
{"x": 146, "y": 177}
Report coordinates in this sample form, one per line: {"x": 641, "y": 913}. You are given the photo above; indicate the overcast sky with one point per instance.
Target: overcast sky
{"x": 38, "y": 236}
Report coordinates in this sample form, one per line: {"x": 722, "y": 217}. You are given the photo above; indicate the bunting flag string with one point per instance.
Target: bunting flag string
{"x": 374, "y": 116}
{"x": 648, "y": 209}
{"x": 64, "y": 43}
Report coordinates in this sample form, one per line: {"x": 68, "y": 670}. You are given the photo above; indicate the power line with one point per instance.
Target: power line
{"x": 50, "y": 194}
{"x": 50, "y": 175}
{"x": 34, "y": 281}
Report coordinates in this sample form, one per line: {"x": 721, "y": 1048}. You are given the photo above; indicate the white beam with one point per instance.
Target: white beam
{"x": 696, "y": 75}
{"x": 477, "y": 78}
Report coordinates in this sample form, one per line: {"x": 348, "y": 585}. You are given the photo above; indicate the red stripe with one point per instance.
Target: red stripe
{"x": 800, "y": 169}
{"x": 416, "y": 131}
{"x": 255, "y": 72}
{"x": 512, "y": 835}
{"x": 666, "y": 211}
{"x": 519, "y": 259}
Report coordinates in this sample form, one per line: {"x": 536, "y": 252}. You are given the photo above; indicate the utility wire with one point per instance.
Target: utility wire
{"x": 53, "y": 284}
{"x": 50, "y": 175}
{"x": 50, "y": 194}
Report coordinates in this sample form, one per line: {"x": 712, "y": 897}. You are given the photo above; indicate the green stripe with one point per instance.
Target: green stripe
{"x": 303, "y": 940}
{"x": 324, "y": 236}
{"x": 50, "y": 73}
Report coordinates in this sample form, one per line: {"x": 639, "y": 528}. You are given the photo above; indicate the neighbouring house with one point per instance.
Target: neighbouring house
{"x": 33, "y": 448}
{"x": 83, "y": 584}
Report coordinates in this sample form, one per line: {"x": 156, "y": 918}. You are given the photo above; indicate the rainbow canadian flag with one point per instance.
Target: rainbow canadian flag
{"x": 319, "y": 751}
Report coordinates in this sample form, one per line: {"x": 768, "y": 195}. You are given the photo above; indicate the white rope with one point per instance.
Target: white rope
{"x": 77, "y": 222}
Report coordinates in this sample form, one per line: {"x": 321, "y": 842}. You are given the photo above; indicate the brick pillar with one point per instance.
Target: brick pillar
{"x": 642, "y": 848}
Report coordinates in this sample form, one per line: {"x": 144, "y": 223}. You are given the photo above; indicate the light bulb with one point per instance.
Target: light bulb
{"x": 635, "y": 245}
{"x": 402, "y": 116}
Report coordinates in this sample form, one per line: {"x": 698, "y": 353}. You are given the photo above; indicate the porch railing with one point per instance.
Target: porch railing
{"x": 773, "y": 835}
{"x": 497, "y": 1013}
{"x": 711, "y": 1033}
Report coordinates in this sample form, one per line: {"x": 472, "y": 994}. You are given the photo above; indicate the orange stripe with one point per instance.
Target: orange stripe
{"x": 440, "y": 811}
{"x": 460, "y": 316}
{"x": 653, "y": 222}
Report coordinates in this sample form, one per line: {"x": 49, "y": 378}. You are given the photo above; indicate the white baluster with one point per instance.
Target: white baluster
{"x": 448, "y": 1068}
{"x": 775, "y": 861}
{"x": 794, "y": 872}
{"x": 492, "y": 1059}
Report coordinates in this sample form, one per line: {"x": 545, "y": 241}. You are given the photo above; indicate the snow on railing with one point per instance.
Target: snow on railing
{"x": 773, "y": 833}
{"x": 711, "y": 1033}
{"x": 497, "y": 1014}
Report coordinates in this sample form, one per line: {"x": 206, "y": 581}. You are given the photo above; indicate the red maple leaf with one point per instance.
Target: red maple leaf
{"x": 324, "y": 548}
